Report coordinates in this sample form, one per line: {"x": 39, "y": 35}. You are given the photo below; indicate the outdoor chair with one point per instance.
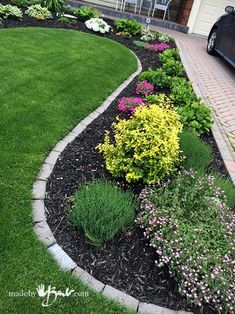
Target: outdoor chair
{"x": 162, "y": 5}
{"x": 134, "y": 2}
{"x": 150, "y": 6}
{"x": 119, "y": 3}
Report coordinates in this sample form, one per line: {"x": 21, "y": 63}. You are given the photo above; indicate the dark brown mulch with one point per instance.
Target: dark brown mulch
{"x": 126, "y": 262}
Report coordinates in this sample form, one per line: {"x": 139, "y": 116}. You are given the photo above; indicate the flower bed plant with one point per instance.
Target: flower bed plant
{"x": 158, "y": 47}
{"x": 102, "y": 210}
{"x": 10, "y": 11}
{"x": 129, "y": 104}
{"x": 144, "y": 88}
{"x": 85, "y": 13}
{"x": 131, "y": 27}
{"x": 38, "y": 12}
{"x": 146, "y": 147}
{"x": 190, "y": 226}
{"x": 98, "y": 25}
{"x": 53, "y": 5}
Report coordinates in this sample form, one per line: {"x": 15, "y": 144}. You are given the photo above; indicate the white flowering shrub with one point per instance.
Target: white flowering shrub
{"x": 98, "y": 25}
{"x": 190, "y": 226}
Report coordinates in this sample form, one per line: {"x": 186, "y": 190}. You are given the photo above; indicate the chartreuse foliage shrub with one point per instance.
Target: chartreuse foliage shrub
{"x": 132, "y": 27}
{"x": 86, "y": 12}
{"x": 145, "y": 147}
{"x": 102, "y": 210}
{"x": 190, "y": 226}
{"x": 198, "y": 154}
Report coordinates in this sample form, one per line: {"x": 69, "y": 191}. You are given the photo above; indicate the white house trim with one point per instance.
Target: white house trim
{"x": 193, "y": 14}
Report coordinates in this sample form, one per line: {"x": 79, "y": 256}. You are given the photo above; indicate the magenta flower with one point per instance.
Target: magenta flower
{"x": 144, "y": 88}
{"x": 129, "y": 104}
{"x": 158, "y": 47}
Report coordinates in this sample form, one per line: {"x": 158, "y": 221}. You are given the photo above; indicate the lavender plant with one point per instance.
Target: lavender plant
{"x": 190, "y": 226}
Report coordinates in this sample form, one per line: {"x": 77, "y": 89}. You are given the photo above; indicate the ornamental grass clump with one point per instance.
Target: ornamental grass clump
{"x": 102, "y": 210}
{"x": 190, "y": 226}
{"x": 146, "y": 146}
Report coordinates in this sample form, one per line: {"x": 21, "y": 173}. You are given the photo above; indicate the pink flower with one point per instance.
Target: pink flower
{"x": 158, "y": 47}
{"x": 144, "y": 88}
{"x": 129, "y": 104}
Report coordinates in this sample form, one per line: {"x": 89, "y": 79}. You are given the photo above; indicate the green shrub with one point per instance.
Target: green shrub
{"x": 85, "y": 13}
{"x": 164, "y": 38}
{"x": 158, "y": 99}
{"x": 182, "y": 92}
{"x": 102, "y": 210}
{"x": 173, "y": 67}
{"x": 169, "y": 54}
{"x": 128, "y": 26}
{"x": 196, "y": 116}
{"x": 25, "y": 3}
{"x": 227, "y": 186}
{"x": 146, "y": 146}
{"x": 198, "y": 154}
{"x": 190, "y": 226}
{"x": 157, "y": 77}
{"x": 10, "y": 11}
{"x": 53, "y": 5}
{"x": 38, "y": 12}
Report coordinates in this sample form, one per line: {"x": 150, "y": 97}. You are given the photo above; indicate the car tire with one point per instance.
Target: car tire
{"x": 211, "y": 43}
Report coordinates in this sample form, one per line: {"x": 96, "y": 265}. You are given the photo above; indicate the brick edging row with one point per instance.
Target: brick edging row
{"x": 45, "y": 234}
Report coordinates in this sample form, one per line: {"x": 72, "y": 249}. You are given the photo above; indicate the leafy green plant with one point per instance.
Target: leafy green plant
{"x": 198, "y": 154}
{"x": 169, "y": 54}
{"x": 173, "y": 67}
{"x": 38, "y": 12}
{"x": 196, "y": 116}
{"x": 25, "y": 3}
{"x": 181, "y": 91}
{"x": 190, "y": 226}
{"x": 66, "y": 20}
{"x": 164, "y": 38}
{"x": 53, "y": 5}
{"x": 10, "y": 11}
{"x": 145, "y": 147}
{"x": 140, "y": 43}
{"x": 157, "y": 77}
{"x": 147, "y": 35}
{"x": 102, "y": 210}
{"x": 1, "y": 22}
{"x": 85, "y": 13}
{"x": 128, "y": 26}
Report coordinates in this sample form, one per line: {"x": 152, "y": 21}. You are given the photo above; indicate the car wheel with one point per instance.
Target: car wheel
{"x": 212, "y": 42}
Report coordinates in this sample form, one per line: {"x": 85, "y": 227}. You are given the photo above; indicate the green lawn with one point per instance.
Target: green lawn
{"x": 50, "y": 80}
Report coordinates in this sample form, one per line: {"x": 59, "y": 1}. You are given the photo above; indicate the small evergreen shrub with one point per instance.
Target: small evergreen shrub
{"x": 102, "y": 210}
{"x": 85, "y": 13}
{"x": 131, "y": 27}
{"x": 198, "y": 154}
{"x": 145, "y": 147}
{"x": 173, "y": 67}
{"x": 190, "y": 226}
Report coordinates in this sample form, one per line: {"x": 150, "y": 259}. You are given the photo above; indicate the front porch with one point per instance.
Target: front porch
{"x": 179, "y": 13}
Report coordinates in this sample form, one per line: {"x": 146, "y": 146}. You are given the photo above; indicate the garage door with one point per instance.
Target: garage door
{"x": 208, "y": 13}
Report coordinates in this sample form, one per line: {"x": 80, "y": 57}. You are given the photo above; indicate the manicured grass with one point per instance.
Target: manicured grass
{"x": 50, "y": 79}
{"x": 102, "y": 210}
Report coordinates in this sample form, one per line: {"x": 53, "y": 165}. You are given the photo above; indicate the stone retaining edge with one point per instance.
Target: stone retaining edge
{"x": 45, "y": 234}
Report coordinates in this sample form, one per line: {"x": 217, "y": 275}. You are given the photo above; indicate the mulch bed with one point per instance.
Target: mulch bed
{"x": 126, "y": 262}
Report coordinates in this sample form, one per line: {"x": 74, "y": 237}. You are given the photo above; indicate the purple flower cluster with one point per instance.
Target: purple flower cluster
{"x": 129, "y": 104}
{"x": 158, "y": 47}
{"x": 144, "y": 88}
{"x": 196, "y": 243}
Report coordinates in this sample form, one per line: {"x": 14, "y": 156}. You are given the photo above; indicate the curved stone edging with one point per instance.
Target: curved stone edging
{"x": 45, "y": 234}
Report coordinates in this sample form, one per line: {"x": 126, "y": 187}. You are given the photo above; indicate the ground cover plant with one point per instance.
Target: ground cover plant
{"x": 44, "y": 105}
{"x": 189, "y": 224}
{"x": 102, "y": 210}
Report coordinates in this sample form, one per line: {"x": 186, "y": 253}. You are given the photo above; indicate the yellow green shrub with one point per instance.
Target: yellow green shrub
{"x": 146, "y": 146}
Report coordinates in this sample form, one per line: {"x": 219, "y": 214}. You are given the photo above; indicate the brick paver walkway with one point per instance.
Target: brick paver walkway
{"x": 214, "y": 81}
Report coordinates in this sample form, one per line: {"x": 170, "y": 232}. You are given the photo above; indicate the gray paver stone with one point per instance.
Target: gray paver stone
{"x": 86, "y": 278}
{"x": 62, "y": 258}
{"x": 44, "y": 233}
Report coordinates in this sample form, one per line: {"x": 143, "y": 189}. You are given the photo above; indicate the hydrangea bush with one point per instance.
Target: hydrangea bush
{"x": 190, "y": 226}
{"x": 129, "y": 104}
{"x": 98, "y": 25}
{"x": 144, "y": 88}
